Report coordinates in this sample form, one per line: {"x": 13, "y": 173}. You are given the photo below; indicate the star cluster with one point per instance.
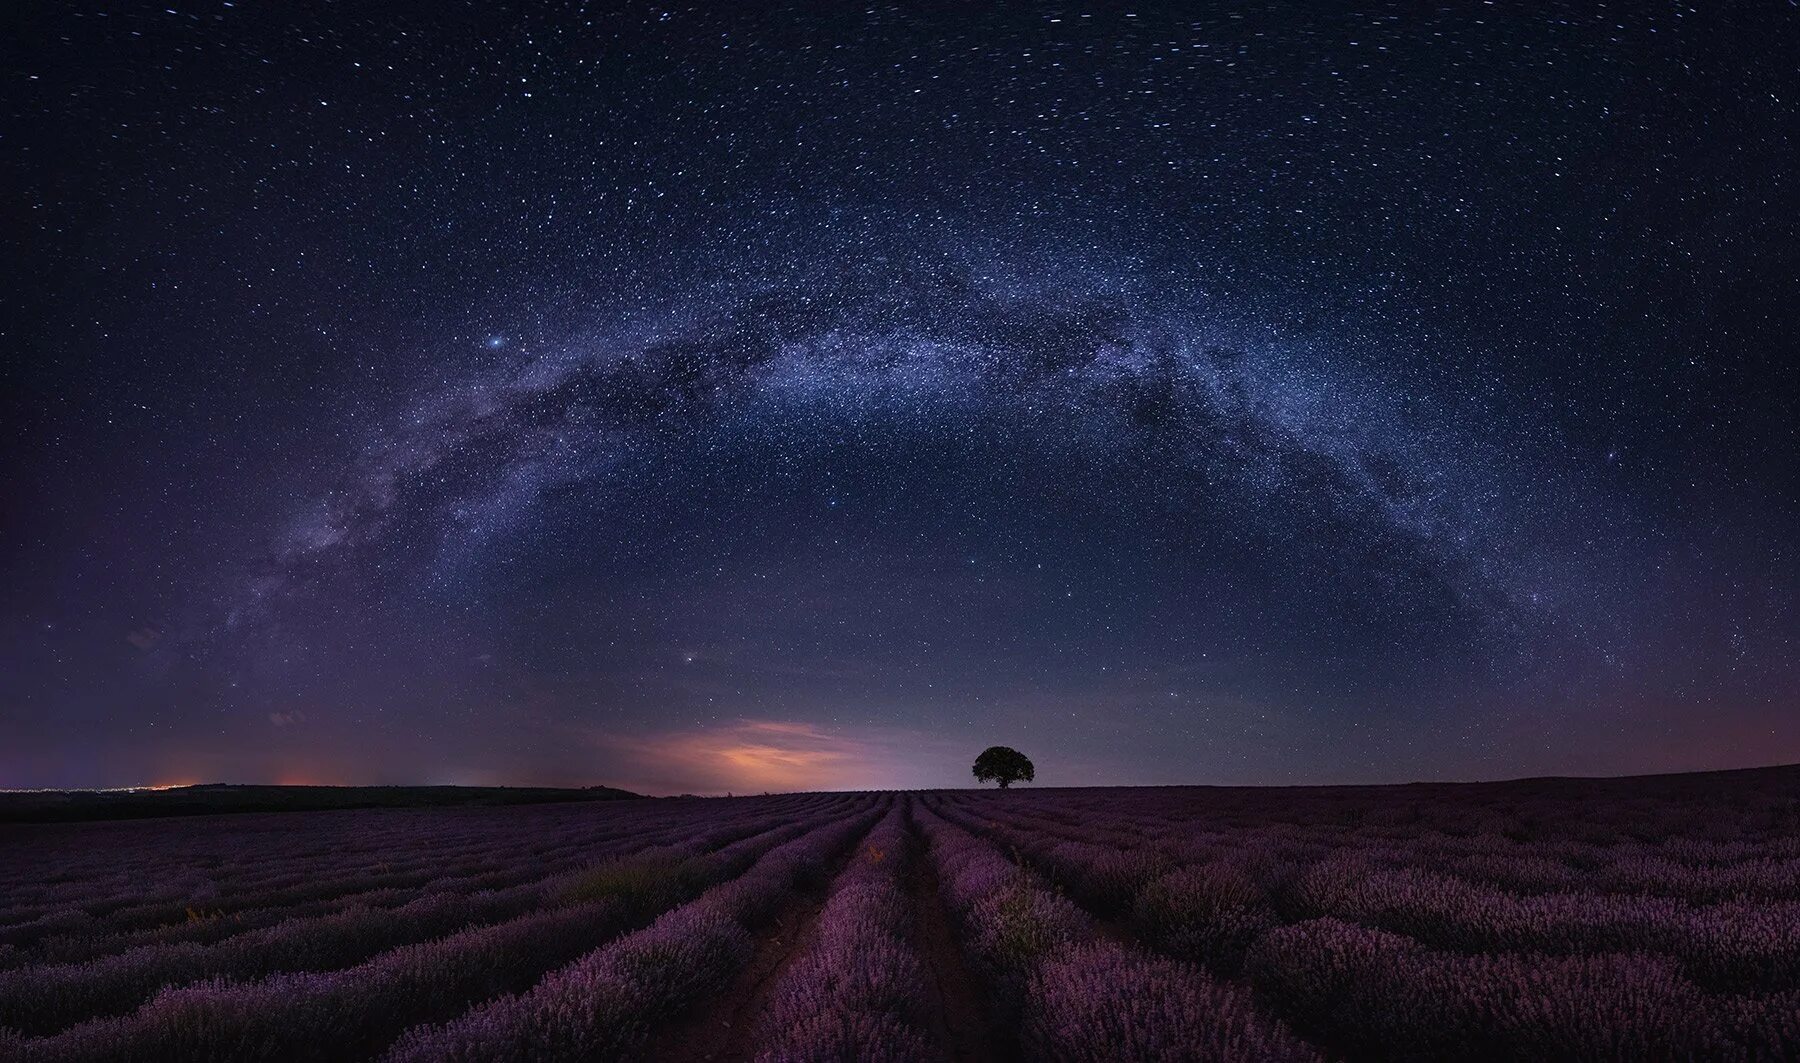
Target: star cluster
{"x": 758, "y": 395}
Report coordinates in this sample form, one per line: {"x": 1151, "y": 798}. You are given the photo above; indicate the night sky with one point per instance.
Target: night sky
{"x": 741, "y": 397}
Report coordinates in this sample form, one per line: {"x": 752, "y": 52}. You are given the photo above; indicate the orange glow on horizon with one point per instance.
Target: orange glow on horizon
{"x": 755, "y": 755}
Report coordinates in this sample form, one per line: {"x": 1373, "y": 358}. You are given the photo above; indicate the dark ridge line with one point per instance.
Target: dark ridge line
{"x": 216, "y": 799}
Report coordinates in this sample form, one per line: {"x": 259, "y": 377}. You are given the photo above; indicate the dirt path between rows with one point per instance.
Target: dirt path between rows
{"x": 961, "y": 1020}
{"x": 724, "y": 1029}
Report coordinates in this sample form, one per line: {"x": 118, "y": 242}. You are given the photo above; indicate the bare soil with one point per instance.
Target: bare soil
{"x": 961, "y": 1019}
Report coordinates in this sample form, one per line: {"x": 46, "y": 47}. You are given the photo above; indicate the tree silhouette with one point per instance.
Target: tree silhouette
{"x": 1004, "y": 765}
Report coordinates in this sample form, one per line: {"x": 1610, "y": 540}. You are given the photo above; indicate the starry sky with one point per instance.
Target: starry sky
{"x": 745, "y": 396}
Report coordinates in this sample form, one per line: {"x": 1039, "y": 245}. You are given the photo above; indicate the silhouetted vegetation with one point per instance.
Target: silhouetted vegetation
{"x": 1004, "y": 765}
{"x": 46, "y": 806}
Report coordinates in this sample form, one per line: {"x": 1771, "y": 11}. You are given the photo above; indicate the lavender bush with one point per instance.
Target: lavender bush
{"x": 1099, "y": 1002}
{"x": 1080, "y": 997}
{"x": 857, "y": 993}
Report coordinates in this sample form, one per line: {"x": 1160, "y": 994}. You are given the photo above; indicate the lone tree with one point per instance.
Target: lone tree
{"x": 1003, "y": 765}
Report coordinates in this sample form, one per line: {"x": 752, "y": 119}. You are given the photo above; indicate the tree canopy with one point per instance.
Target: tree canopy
{"x": 1004, "y": 765}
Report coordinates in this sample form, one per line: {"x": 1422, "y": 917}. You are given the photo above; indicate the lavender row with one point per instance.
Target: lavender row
{"x": 1383, "y": 995}
{"x": 855, "y": 994}
{"x": 1205, "y": 914}
{"x": 1730, "y": 945}
{"x": 608, "y": 1003}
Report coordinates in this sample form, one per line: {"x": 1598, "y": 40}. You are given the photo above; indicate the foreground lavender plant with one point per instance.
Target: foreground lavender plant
{"x": 856, "y": 994}
{"x": 1079, "y": 997}
{"x": 1385, "y": 994}
{"x": 1099, "y": 1002}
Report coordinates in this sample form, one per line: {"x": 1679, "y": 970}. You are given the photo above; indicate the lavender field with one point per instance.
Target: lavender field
{"x": 1650, "y": 918}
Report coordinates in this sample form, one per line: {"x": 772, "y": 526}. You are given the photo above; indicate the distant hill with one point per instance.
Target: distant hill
{"x": 45, "y": 806}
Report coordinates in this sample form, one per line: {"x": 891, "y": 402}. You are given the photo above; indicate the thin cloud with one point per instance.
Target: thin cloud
{"x": 752, "y": 755}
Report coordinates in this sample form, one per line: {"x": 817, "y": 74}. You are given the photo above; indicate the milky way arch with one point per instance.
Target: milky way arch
{"x": 1285, "y": 439}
